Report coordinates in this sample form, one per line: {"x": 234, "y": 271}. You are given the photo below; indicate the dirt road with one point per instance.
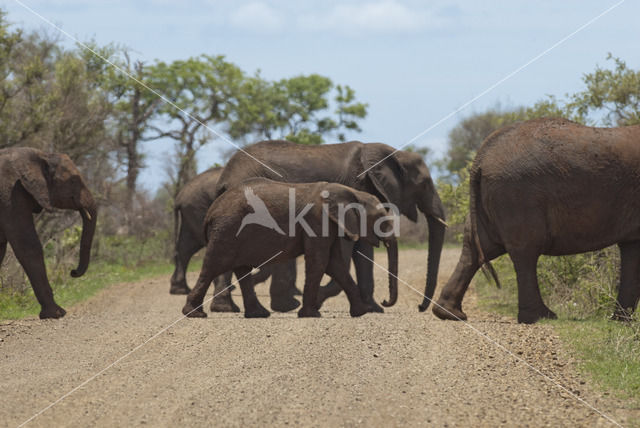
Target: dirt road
{"x": 401, "y": 368}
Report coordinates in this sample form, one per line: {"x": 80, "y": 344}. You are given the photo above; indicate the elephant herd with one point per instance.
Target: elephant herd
{"x": 547, "y": 186}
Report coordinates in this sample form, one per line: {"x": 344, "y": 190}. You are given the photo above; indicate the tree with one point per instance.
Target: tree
{"x": 203, "y": 93}
{"x": 297, "y": 109}
{"x": 466, "y": 137}
{"x": 612, "y": 95}
{"x": 135, "y": 107}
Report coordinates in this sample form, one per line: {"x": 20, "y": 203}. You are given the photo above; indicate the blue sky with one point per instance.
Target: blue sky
{"x": 414, "y": 62}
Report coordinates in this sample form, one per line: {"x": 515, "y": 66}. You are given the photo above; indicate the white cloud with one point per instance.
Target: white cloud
{"x": 385, "y": 16}
{"x": 257, "y": 17}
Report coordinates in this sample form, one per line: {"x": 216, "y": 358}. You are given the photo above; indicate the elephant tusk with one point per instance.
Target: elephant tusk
{"x": 86, "y": 213}
{"x": 441, "y": 221}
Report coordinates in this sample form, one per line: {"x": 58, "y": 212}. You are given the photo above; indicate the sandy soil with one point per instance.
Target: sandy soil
{"x": 401, "y": 368}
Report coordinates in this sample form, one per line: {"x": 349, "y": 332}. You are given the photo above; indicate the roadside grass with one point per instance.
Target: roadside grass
{"x": 69, "y": 291}
{"x": 607, "y": 351}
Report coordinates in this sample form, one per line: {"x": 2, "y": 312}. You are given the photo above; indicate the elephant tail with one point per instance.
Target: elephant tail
{"x": 177, "y": 223}
{"x": 475, "y": 209}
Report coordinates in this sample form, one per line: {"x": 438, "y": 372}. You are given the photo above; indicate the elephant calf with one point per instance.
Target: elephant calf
{"x": 252, "y": 223}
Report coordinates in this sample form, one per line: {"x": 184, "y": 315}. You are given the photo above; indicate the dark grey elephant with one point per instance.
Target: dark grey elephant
{"x": 31, "y": 180}
{"x": 240, "y": 238}
{"x": 554, "y": 187}
{"x": 190, "y": 208}
{"x": 397, "y": 177}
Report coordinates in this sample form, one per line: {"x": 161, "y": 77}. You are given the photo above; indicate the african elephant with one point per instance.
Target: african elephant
{"x": 190, "y": 208}
{"x": 397, "y": 177}
{"x": 554, "y": 187}
{"x": 31, "y": 180}
{"x": 245, "y": 228}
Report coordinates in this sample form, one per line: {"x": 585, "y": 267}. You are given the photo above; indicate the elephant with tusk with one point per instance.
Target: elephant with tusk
{"x": 395, "y": 177}
{"x": 31, "y": 180}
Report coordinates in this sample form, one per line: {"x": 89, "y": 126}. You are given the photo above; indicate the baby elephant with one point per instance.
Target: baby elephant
{"x": 263, "y": 222}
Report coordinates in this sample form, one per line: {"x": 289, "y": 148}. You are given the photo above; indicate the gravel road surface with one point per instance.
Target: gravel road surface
{"x": 401, "y": 368}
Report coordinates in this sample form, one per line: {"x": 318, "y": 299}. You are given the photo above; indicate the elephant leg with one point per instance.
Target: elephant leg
{"x": 364, "y": 273}
{"x": 283, "y": 284}
{"x": 629, "y": 281}
{"x": 222, "y": 301}
{"x": 212, "y": 266}
{"x": 531, "y": 308}
{"x": 28, "y": 250}
{"x": 449, "y": 304}
{"x": 333, "y": 288}
{"x": 252, "y": 306}
{"x": 3, "y": 250}
{"x": 186, "y": 247}
{"x": 339, "y": 271}
{"x": 316, "y": 258}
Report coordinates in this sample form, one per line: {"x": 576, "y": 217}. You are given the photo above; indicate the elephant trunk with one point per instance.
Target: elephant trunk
{"x": 392, "y": 253}
{"x": 434, "y": 212}
{"x": 88, "y": 211}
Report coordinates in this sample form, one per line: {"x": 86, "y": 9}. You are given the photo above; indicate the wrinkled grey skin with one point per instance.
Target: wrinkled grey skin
{"x": 399, "y": 177}
{"x": 234, "y": 245}
{"x": 190, "y": 208}
{"x": 31, "y": 180}
{"x": 554, "y": 187}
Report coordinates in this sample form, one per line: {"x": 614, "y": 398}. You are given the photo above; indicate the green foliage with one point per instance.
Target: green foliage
{"x": 608, "y": 351}
{"x": 613, "y": 95}
{"x": 454, "y": 194}
{"x": 296, "y": 109}
{"x": 465, "y": 139}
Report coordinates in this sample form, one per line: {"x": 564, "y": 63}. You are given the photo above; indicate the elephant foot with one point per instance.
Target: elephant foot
{"x": 54, "y": 312}
{"x": 224, "y": 305}
{"x": 374, "y": 307}
{"x": 284, "y": 303}
{"x": 531, "y": 316}
{"x": 259, "y": 312}
{"x": 625, "y": 315}
{"x": 324, "y": 292}
{"x": 447, "y": 311}
{"x": 193, "y": 312}
{"x": 179, "y": 289}
{"x": 360, "y": 309}
{"x": 306, "y": 312}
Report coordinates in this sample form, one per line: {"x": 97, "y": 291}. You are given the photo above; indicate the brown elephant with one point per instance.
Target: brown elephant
{"x": 190, "y": 208}
{"x": 245, "y": 227}
{"x": 30, "y": 181}
{"x": 394, "y": 176}
{"x": 554, "y": 187}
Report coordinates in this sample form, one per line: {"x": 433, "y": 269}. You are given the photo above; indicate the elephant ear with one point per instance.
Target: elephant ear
{"x": 388, "y": 176}
{"x": 35, "y": 173}
{"x": 338, "y": 198}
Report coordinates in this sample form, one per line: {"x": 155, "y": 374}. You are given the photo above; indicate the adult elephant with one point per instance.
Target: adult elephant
{"x": 190, "y": 208}
{"x": 31, "y": 180}
{"x": 554, "y": 187}
{"x": 397, "y": 177}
